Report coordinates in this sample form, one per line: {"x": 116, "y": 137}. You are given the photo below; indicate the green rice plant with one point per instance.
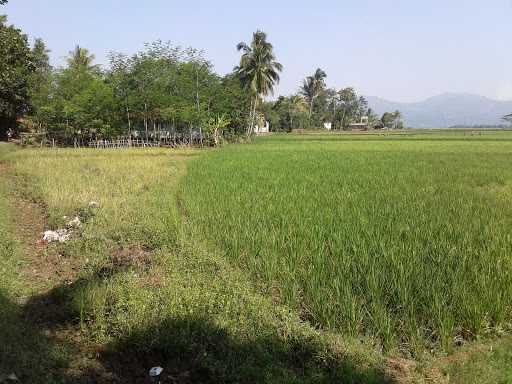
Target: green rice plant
{"x": 146, "y": 289}
{"x": 402, "y": 238}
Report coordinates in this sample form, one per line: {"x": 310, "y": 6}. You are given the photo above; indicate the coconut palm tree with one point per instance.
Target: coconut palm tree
{"x": 296, "y": 105}
{"x": 312, "y": 87}
{"x": 258, "y": 71}
{"x": 79, "y": 58}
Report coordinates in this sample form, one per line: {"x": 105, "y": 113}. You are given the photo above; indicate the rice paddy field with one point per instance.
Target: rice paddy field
{"x": 298, "y": 258}
{"x": 405, "y": 238}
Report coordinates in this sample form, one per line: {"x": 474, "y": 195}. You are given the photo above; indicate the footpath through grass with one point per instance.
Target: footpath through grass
{"x": 135, "y": 287}
{"x": 22, "y": 349}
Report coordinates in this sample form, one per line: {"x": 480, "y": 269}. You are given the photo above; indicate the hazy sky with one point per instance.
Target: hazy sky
{"x": 403, "y": 50}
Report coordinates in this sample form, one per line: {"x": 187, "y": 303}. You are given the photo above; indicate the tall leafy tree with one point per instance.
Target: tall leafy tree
{"x": 331, "y": 104}
{"x": 397, "y": 122}
{"x": 362, "y": 107}
{"x": 349, "y": 106}
{"x": 41, "y": 80}
{"x": 122, "y": 85}
{"x": 40, "y": 56}
{"x": 276, "y": 113}
{"x": 232, "y": 100}
{"x": 16, "y": 68}
{"x": 80, "y": 103}
{"x": 373, "y": 118}
{"x": 296, "y": 106}
{"x": 392, "y": 120}
{"x": 312, "y": 87}
{"x": 258, "y": 71}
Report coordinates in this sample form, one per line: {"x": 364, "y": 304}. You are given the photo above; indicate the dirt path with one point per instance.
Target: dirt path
{"x": 49, "y": 274}
{"x": 44, "y": 266}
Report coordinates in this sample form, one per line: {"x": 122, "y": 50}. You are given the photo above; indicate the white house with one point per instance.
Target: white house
{"x": 361, "y": 126}
{"x": 328, "y": 125}
{"x": 264, "y": 129}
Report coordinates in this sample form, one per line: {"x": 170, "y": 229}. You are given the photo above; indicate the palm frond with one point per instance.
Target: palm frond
{"x": 258, "y": 71}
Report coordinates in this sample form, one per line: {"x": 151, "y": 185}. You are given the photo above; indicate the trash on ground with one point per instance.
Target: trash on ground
{"x": 9, "y": 378}
{"x": 155, "y": 372}
{"x": 63, "y": 235}
{"x": 75, "y": 223}
{"x": 60, "y": 235}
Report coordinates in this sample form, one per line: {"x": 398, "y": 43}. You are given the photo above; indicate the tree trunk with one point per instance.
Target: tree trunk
{"x": 129, "y": 121}
{"x": 146, "y": 119}
{"x": 249, "y": 122}
{"x": 253, "y": 120}
{"x": 216, "y": 137}
{"x": 291, "y": 117}
{"x": 197, "y": 89}
{"x": 333, "y": 115}
{"x": 311, "y": 110}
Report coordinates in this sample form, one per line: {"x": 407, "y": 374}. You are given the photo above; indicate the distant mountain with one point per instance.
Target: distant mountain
{"x": 446, "y": 110}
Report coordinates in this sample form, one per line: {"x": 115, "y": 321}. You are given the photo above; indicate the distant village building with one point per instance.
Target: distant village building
{"x": 361, "y": 126}
{"x": 262, "y": 128}
{"x": 328, "y": 125}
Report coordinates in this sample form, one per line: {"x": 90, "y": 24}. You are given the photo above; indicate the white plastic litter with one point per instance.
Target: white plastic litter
{"x": 60, "y": 235}
{"x": 75, "y": 223}
{"x": 155, "y": 371}
{"x": 9, "y": 378}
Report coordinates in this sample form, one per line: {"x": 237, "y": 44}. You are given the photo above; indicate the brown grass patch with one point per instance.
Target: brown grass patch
{"x": 135, "y": 256}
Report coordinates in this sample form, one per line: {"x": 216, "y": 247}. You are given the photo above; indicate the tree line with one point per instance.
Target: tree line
{"x": 314, "y": 105}
{"x": 148, "y": 94}
{"x": 161, "y": 90}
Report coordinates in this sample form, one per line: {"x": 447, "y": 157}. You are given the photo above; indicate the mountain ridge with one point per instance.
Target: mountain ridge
{"x": 446, "y": 110}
